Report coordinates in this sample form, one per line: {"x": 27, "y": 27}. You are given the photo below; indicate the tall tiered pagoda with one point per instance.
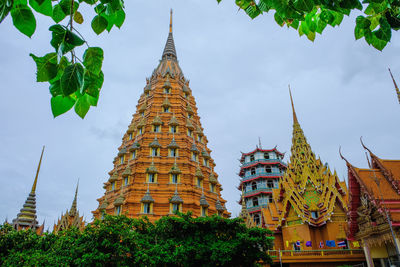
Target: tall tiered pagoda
{"x": 27, "y": 218}
{"x": 163, "y": 164}
{"x": 260, "y": 173}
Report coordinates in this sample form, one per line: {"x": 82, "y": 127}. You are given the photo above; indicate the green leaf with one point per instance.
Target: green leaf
{"x": 72, "y": 79}
{"x": 362, "y": 22}
{"x": 93, "y": 59}
{"x": 58, "y": 14}
{"x": 311, "y": 36}
{"x": 320, "y": 25}
{"x": 99, "y": 24}
{"x": 66, "y": 6}
{"x": 61, "y": 104}
{"x": 93, "y": 83}
{"x": 327, "y": 17}
{"x": 279, "y": 19}
{"x": 374, "y": 22}
{"x": 63, "y": 40}
{"x": 23, "y": 19}
{"x": 46, "y": 67}
{"x": 393, "y": 20}
{"x": 252, "y": 11}
{"x": 5, "y": 7}
{"x": 82, "y": 106}
{"x": 120, "y": 18}
{"x": 264, "y": 5}
{"x": 358, "y": 32}
{"x": 42, "y": 6}
{"x": 385, "y": 32}
{"x": 78, "y": 18}
{"x": 303, "y": 5}
{"x": 55, "y": 88}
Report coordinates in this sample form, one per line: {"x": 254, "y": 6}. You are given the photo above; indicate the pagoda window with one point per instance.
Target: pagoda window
{"x": 266, "y": 155}
{"x": 126, "y": 181}
{"x": 151, "y": 177}
{"x": 255, "y": 201}
{"x": 118, "y": 210}
{"x": 186, "y": 95}
{"x": 253, "y": 171}
{"x": 133, "y": 156}
{"x": 204, "y": 211}
{"x": 270, "y": 184}
{"x": 268, "y": 169}
{"x": 190, "y": 132}
{"x": 156, "y": 128}
{"x": 165, "y": 109}
{"x": 253, "y": 186}
{"x": 147, "y": 93}
{"x": 174, "y": 178}
{"x": 199, "y": 138}
{"x": 112, "y": 185}
{"x": 194, "y": 156}
{"x": 142, "y": 113}
{"x": 121, "y": 160}
{"x": 130, "y": 136}
{"x": 314, "y": 214}
{"x": 173, "y": 152}
{"x": 155, "y": 152}
{"x": 252, "y": 157}
{"x": 167, "y": 90}
{"x": 205, "y": 161}
{"x": 189, "y": 115}
{"x": 199, "y": 182}
{"x": 173, "y": 129}
{"x": 140, "y": 130}
{"x": 257, "y": 219}
{"x": 175, "y": 207}
{"x": 146, "y": 207}
{"x": 212, "y": 187}
{"x": 269, "y": 199}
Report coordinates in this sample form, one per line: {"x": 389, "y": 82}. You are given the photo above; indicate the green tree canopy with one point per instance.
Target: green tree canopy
{"x": 120, "y": 241}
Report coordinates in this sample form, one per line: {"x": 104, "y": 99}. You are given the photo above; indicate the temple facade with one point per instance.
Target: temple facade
{"x": 71, "y": 218}
{"x": 27, "y": 218}
{"x": 306, "y": 210}
{"x": 163, "y": 164}
{"x": 374, "y": 209}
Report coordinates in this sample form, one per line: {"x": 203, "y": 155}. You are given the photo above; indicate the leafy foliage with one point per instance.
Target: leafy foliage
{"x": 119, "y": 241}
{"x": 72, "y": 81}
{"x": 309, "y": 17}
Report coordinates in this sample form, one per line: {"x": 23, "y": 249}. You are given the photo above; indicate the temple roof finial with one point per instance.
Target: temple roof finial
{"x": 395, "y": 86}
{"x": 37, "y": 173}
{"x": 72, "y": 211}
{"x": 169, "y": 50}
{"x": 170, "y": 21}
{"x": 294, "y": 111}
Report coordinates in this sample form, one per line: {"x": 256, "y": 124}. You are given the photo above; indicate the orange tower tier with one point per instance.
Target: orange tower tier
{"x": 163, "y": 164}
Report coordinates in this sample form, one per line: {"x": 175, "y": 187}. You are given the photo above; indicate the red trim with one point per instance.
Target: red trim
{"x": 261, "y": 150}
{"x": 263, "y": 163}
{"x": 391, "y": 202}
{"x": 270, "y": 193}
{"x": 394, "y": 210}
{"x": 395, "y": 223}
{"x": 257, "y": 177}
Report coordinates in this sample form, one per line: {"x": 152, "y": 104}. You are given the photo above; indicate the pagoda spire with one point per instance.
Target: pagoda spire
{"x": 395, "y": 86}
{"x": 73, "y": 209}
{"x": 37, "y": 173}
{"x": 294, "y": 111}
{"x": 169, "y": 50}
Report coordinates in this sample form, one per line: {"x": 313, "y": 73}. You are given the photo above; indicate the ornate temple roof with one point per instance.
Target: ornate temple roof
{"x": 176, "y": 198}
{"x": 147, "y": 197}
{"x": 173, "y": 144}
{"x": 373, "y": 188}
{"x": 155, "y": 143}
{"x": 175, "y": 169}
{"x": 27, "y": 218}
{"x": 173, "y": 121}
{"x": 309, "y": 191}
{"x": 71, "y": 218}
{"x": 203, "y": 201}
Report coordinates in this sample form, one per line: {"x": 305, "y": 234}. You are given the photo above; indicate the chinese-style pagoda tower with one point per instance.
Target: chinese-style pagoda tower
{"x": 163, "y": 164}
{"x": 27, "y": 218}
{"x": 312, "y": 198}
{"x": 260, "y": 173}
{"x": 71, "y": 218}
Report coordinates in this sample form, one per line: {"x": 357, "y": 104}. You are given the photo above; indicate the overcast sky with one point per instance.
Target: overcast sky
{"x": 239, "y": 71}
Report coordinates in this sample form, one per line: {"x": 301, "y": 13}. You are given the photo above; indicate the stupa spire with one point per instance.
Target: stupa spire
{"x": 395, "y": 86}
{"x": 294, "y": 111}
{"x": 169, "y": 49}
{"x": 37, "y": 173}
{"x": 72, "y": 211}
